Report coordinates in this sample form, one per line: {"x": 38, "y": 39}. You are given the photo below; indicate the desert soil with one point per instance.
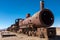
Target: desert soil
{"x": 20, "y": 37}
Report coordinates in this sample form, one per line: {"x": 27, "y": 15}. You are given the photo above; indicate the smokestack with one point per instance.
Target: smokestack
{"x": 42, "y": 4}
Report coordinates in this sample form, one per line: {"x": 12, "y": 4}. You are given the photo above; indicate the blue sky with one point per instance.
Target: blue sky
{"x": 13, "y": 9}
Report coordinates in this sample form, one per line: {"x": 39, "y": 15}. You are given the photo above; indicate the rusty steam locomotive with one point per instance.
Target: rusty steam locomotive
{"x": 34, "y": 25}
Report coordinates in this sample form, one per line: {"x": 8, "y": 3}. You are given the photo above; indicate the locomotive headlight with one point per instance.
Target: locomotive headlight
{"x": 47, "y": 17}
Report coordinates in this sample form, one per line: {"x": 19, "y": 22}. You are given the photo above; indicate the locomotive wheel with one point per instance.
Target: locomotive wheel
{"x": 29, "y": 33}
{"x": 33, "y": 33}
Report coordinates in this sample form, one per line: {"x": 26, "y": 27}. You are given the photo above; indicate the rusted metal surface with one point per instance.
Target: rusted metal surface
{"x": 39, "y": 20}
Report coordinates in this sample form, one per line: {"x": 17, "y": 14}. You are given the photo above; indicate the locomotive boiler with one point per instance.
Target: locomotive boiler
{"x": 43, "y": 18}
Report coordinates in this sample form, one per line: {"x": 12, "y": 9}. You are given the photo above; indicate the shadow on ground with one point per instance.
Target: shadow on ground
{"x": 57, "y": 37}
{"x": 8, "y": 35}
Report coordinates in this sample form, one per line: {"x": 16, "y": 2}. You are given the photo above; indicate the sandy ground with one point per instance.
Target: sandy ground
{"x": 20, "y": 37}
{"x": 25, "y": 37}
{"x": 57, "y": 31}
